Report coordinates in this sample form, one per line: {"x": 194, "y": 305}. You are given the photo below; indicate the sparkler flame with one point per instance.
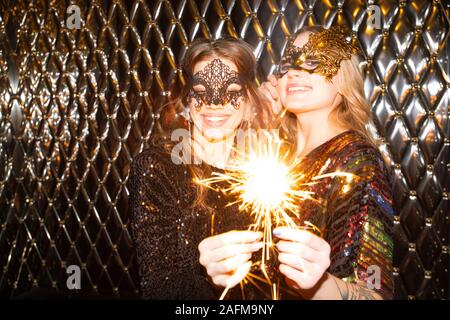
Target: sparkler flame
{"x": 267, "y": 184}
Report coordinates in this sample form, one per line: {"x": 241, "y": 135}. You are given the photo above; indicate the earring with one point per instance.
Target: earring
{"x": 187, "y": 115}
{"x": 198, "y": 106}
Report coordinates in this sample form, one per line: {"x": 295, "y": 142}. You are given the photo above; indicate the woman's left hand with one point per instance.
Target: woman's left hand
{"x": 270, "y": 90}
{"x": 304, "y": 257}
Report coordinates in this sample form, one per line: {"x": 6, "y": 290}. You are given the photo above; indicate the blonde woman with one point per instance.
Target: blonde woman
{"x": 320, "y": 86}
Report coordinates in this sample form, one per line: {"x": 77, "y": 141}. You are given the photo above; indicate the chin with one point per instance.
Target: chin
{"x": 214, "y": 134}
{"x": 297, "y": 108}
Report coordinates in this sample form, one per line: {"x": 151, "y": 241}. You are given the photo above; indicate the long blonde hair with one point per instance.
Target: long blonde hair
{"x": 354, "y": 111}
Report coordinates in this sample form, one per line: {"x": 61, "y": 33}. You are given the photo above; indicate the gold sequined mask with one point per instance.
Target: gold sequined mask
{"x": 216, "y": 77}
{"x": 322, "y": 54}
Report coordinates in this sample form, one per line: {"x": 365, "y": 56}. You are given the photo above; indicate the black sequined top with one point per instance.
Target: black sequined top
{"x": 356, "y": 219}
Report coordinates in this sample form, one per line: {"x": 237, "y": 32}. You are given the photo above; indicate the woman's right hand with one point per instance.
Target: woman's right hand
{"x": 226, "y": 256}
{"x": 270, "y": 91}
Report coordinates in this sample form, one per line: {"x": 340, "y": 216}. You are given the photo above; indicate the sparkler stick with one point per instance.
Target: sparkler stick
{"x": 267, "y": 185}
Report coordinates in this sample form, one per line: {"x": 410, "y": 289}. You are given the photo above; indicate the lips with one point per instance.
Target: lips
{"x": 215, "y": 120}
{"x": 295, "y": 88}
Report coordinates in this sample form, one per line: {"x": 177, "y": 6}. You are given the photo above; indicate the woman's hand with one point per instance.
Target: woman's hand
{"x": 226, "y": 256}
{"x": 304, "y": 257}
{"x": 270, "y": 91}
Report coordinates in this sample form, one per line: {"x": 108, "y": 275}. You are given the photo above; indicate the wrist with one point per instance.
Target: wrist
{"x": 318, "y": 291}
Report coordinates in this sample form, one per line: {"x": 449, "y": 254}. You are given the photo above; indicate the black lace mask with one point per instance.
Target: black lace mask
{"x": 216, "y": 77}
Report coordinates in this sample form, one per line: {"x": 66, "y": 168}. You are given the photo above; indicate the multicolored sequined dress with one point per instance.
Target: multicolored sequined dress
{"x": 355, "y": 218}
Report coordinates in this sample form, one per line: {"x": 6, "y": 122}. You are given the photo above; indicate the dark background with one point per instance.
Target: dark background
{"x": 77, "y": 105}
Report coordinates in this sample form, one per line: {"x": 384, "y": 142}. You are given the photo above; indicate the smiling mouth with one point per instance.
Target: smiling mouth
{"x": 215, "y": 120}
{"x": 298, "y": 89}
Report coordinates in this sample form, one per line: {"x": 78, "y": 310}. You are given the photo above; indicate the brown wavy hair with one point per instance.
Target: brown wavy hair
{"x": 260, "y": 114}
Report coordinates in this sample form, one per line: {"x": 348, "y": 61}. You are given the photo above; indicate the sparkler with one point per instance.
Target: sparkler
{"x": 267, "y": 183}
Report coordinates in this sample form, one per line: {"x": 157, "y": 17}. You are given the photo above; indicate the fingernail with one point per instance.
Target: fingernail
{"x": 277, "y": 232}
{"x": 259, "y": 245}
{"x": 256, "y": 235}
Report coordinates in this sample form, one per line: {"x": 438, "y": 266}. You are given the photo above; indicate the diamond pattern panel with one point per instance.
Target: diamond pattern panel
{"x": 77, "y": 105}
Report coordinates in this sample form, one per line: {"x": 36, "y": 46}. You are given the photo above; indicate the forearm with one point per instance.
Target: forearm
{"x": 333, "y": 288}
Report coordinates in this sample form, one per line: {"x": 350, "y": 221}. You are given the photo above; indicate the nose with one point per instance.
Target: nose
{"x": 215, "y": 105}
{"x": 293, "y": 73}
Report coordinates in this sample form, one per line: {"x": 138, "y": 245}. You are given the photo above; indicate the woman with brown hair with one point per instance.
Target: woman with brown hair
{"x": 170, "y": 213}
{"x": 320, "y": 86}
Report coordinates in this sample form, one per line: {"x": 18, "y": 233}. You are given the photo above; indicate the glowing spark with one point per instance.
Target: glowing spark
{"x": 267, "y": 185}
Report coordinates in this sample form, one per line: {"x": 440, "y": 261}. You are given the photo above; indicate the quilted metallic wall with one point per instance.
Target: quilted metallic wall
{"x": 77, "y": 105}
